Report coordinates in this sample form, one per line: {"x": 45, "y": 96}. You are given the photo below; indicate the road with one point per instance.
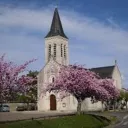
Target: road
{"x": 11, "y": 116}
{"x": 124, "y": 122}
{"x": 123, "y": 118}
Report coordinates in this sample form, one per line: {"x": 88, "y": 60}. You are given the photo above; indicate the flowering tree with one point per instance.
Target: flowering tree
{"x": 126, "y": 99}
{"x": 81, "y": 83}
{"x": 11, "y": 82}
{"x": 33, "y": 90}
{"x": 123, "y": 99}
{"x": 29, "y": 95}
{"x": 111, "y": 89}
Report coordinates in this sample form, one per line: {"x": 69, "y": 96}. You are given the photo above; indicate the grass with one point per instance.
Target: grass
{"x": 78, "y": 121}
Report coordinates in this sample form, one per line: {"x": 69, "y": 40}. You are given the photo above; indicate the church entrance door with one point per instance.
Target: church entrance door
{"x": 52, "y": 102}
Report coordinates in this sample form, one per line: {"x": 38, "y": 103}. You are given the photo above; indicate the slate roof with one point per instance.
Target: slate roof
{"x": 104, "y": 72}
{"x": 56, "y": 26}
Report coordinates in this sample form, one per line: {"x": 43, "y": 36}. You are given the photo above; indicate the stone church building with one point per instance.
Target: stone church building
{"x": 56, "y": 54}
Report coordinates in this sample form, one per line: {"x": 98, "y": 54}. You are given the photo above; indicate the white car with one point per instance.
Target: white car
{"x": 4, "y": 108}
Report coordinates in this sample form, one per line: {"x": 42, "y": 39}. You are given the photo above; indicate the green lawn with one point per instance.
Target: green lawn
{"x": 78, "y": 121}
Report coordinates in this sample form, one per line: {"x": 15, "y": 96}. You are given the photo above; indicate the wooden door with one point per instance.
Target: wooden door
{"x": 52, "y": 102}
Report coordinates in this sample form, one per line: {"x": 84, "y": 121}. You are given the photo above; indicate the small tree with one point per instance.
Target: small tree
{"x": 33, "y": 89}
{"x": 112, "y": 90}
{"x": 80, "y": 82}
{"x": 126, "y": 98}
{"x": 29, "y": 95}
{"x": 120, "y": 100}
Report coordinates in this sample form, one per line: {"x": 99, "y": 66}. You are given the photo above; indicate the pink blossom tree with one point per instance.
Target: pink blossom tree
{"x": 108, "y": 84}
{"x": 29, "y": 95}
{"x": 81, "y": 83}
{"x": 114, "y": 93}
{"x": 11, "y": 80}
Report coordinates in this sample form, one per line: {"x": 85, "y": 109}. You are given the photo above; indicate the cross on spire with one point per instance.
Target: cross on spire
{"x": 57, "y": 3}
{"x": 115, "y": 62}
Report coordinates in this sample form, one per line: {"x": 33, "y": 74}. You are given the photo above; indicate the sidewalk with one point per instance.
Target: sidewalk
{"x": 26, "y": 115}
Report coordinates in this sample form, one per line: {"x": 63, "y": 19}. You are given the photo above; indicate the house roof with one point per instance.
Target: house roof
{"x": 104, "y": 72}
{"x": 56, "y": 26}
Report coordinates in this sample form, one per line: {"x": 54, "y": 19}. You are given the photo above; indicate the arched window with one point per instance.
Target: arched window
{"x": 49, "y": 51}
{"x": 61, "y": 50}
{"x": 54, "y": 50}
{"x": 65, "y": 51}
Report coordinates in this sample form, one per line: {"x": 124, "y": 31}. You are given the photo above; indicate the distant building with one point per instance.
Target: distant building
{"x": 56, "y": 54}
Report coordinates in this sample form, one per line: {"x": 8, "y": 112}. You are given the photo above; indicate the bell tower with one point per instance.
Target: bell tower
{"x": 56, "y": 42}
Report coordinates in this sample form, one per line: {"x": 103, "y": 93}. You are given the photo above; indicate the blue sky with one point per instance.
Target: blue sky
{"x": 97, "y": 31}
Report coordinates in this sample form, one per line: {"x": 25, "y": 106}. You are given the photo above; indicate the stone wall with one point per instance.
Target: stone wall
{"x": 13, "y": 106}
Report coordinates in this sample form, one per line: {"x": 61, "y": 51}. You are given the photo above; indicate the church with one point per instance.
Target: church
{"x": 56, "y": 55}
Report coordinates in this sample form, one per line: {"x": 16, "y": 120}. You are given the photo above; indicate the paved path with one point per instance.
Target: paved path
{"x": 123, "y": 123}
{"x": 11, "y": 116}
{"x": 122, "y": 117}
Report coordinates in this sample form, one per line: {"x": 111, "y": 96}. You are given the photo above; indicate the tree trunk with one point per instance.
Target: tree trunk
{"x": 115, "y": 107}
{"x": 79, "y": 107}
{"x": 106, "y": 105}
{"x": 27, "y": 106}
{"x": 102, "y": 106}
{"x": 126, "y": 106}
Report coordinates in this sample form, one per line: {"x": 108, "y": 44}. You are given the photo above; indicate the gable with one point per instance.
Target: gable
{"x": 116, "y": 75}
{"x": 50, "y": 63}
{"x": 50, "y": 69}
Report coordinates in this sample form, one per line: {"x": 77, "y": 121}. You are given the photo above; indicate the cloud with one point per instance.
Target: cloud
{"x": 91, "y": 41}
{"x": 112, "y": 22}
{"x": 75, "y": 24}
{"x": 26, "y": 18}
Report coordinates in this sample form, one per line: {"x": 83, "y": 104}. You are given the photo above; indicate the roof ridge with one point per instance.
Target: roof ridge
{"x": 104, "y": 67}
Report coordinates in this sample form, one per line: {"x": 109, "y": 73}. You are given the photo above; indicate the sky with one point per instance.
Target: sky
{"x": 97, "y": 31}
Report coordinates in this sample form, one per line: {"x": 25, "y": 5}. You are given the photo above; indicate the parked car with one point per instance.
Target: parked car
{"x": 21, "y": 107}
{"x": 4, "y": 108}
{"x": 26, "y": 107}
{"x": 32, "y": 107}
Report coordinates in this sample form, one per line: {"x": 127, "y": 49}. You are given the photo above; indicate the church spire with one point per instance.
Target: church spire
{"x": 56, "y": 26}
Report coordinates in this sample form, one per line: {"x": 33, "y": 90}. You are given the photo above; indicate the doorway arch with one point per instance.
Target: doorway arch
{"x": 52, "y": 102}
